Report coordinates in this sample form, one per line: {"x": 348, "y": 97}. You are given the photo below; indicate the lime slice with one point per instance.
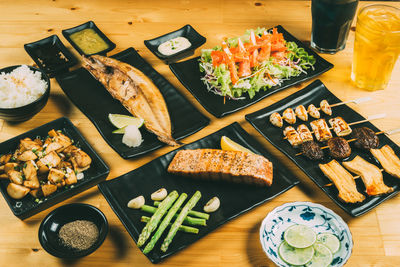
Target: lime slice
{"x": 295, "y": 256}
{"x": 322, "y": 256}
{"x": 121, "y": 121}
{"x": 300, "y": 236}
{"x": 119, "y": 131}
{"x": 228, "y": 144}
{"x": 329, "y": 240}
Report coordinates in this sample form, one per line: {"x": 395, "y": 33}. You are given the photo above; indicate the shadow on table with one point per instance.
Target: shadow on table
{"x": 119, "y": 241}
{"x": 255, "y": 253}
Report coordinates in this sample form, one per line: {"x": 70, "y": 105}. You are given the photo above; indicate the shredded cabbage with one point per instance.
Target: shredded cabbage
{"x": 263, "y": 77}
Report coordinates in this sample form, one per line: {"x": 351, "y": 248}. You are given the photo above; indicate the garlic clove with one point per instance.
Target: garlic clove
{"x": 212, "y": 205}
{"x": 136, "y": 203}
{"x": 159, "y": 195}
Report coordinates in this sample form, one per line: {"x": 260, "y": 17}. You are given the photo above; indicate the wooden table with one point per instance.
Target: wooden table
{"x": 376, "y": 234}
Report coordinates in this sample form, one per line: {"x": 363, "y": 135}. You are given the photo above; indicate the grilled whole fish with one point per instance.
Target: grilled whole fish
{"x": 135, "y": 91}
{"x": 215, "y": 164}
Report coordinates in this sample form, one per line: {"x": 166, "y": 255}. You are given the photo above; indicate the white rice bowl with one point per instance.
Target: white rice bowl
{"x": 20, "y": 87}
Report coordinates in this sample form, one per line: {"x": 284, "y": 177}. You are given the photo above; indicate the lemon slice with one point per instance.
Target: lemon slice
{"x": 329, "y": 240}
{"x": 295, "y": 256}
{"x": 121, "y": 121}
{"x": 228, "y": 144}
{"x": 322, "y": 256}
{"x": 300, "y": 236}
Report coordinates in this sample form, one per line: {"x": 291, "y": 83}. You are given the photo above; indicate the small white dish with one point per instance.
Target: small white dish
{"x": 315, "y": 216}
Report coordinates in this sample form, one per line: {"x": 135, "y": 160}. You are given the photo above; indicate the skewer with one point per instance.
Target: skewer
{"x": 369, "y": 118}
{"x": 354, "y": 139}
{"x": 356, "y": 101}
{"x": 355, "y": 177}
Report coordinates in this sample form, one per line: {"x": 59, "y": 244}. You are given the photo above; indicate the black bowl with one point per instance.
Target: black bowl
{"x": 186, "y": 31}
{"x": 51, "y": 224}
{"x": 88, "y": 25}
{"x": 26, "y": 112}
{"x": 44, "y": 50}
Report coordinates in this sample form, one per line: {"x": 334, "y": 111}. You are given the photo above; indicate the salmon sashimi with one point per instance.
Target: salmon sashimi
{"x": 388, "y": 159}
{"x": 216, "y": 164}
{"x": 135, "y": 91}
{"x": 343, "y": 181}
{"x": 370, "y": 174}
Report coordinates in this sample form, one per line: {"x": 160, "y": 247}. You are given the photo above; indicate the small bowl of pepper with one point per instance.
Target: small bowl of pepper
{"x": 73, "y": 231}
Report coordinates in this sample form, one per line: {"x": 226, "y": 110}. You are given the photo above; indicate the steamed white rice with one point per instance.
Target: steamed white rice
{"x": 20, "y": 87}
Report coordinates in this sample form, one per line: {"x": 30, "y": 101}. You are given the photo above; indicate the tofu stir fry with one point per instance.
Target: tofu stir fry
{"x": 41, "y": 166}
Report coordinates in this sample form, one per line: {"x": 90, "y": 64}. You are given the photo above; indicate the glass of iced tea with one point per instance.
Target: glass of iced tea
{"x": 376, "y": 46}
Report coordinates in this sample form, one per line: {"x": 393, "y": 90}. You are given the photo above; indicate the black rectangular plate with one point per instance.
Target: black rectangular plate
{"x": 97, "y": 172}
{"x": 96, "y": 103}
{"x": 37, "y": 49}
{"x": 186, "y": 31}
{"x": 235, "y": 198}
{"x": 313, "y": 94}
{"x": 188, "y": 73}
{"x": 88, "y": 25}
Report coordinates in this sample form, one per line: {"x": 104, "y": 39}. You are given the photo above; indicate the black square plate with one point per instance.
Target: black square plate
{"x": 97, "y": 172}
{"x": 188, "y": 73}
{"x": 43, "y": 50}
{"x": 88, "y": 25}
{"x": 235, "y": 198}
{"x": 313, "y": 94}
{"x": 186, "y": 31}
{"x": 96, "y": 103}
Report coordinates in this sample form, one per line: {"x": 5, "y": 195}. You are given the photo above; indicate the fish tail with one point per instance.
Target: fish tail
{"x": 169, "y": 141}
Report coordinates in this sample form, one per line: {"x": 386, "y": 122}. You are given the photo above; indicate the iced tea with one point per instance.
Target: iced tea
{"x": 376, "y": 46}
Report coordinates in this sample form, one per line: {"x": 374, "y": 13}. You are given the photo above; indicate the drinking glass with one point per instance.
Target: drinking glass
{"x": 331, "y": 22}
{"x": 376, "y": 46}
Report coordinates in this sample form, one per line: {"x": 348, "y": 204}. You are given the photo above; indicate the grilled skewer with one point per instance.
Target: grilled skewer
{"x": 355, "y": 177}
{"x": 348, "y": 141}
{"x": 339, "y": 125}
{"x": 300, "y": 111}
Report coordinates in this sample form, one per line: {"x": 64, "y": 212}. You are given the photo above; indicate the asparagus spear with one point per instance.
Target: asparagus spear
{"x": 155, "y": 219}
{"x": 194, "y": 213}
{"x": 178, "y": 222}
{"x": 182, "y": 228}
{"x": 188, "y": 220}
{"x": 165, "y": 223}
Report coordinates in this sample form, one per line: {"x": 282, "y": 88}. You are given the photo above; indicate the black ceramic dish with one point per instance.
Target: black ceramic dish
{"x": 313, "y": 94}
{"x": 186, "y": 31}
{"x": 97, "y": 172}
{"x": 96, "y": 103}
{"x": 52, "y": 223}
{"x": 188, "y": 73}
{"x": 28, "y": 111}
{"x": 235, "y": 198}
{"x": 51, "y": 55}
{"x": 88, "y": 25}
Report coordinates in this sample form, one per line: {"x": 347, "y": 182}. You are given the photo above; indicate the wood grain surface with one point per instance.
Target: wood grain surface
{"x": 376, "y": 234}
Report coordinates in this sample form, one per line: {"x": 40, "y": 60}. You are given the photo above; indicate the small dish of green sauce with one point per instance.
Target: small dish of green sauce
{"x": 89, "y": 41}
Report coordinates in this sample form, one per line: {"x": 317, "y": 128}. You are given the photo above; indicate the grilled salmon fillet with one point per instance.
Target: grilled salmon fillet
{"x": 216, "y": 164}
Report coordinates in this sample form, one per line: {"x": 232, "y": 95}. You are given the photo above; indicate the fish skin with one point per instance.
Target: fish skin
{"x": 136, "y": 92}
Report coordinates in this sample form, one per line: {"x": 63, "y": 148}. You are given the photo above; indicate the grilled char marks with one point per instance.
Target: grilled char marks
{"x": 312, "y": 150}
{"x": 339, "y": 148}
{"x": 215, "y": 164}
{"x": 365, "y": 138}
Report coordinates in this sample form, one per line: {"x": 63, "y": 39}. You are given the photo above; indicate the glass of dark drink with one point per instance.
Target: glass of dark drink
{"x": 331, "y": 22}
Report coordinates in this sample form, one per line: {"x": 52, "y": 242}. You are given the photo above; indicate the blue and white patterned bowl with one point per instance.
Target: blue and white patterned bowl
{"x": 315, "y": 216}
